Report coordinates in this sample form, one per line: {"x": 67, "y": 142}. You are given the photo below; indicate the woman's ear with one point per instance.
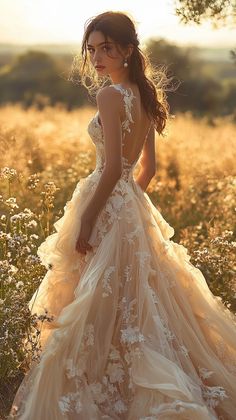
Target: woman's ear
{"x": 130, "y": 49}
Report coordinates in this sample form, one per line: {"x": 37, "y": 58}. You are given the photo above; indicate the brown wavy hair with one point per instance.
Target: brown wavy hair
{"x": 151, "y": 80}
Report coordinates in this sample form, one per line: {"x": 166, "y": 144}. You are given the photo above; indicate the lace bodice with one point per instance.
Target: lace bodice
{"x": 96, "y": 133}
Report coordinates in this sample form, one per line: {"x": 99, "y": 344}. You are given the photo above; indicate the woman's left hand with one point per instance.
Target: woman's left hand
{"x": 82, "y": 244}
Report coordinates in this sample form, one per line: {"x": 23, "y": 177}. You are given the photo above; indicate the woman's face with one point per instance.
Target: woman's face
{"x": 104, "y": 54}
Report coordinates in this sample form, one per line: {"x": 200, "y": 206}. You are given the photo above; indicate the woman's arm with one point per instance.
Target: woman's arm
{"x": 109, "y": 104}
{"x": 143, "y": 179}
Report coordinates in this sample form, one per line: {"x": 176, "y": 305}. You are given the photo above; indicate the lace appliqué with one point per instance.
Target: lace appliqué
{"x": 106, "y": 280}
{"x": 127, "y": 273}
{"x": 130, "y": 334}
{"x": 108, "y": 390}
{"x": 70, "y": 403}
{"x": 211, "y": 394}
{"x": 143, "y": 258}
{"x": 74, "y": 370}
{"x": 116, "y": 203}
{"x": 96, "y": 133}
{"x": 131, "y": 235}
{"x": 128, "y": 98}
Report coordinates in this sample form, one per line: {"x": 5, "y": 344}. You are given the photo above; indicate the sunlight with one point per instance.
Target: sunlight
{"x": 62, "y": 21}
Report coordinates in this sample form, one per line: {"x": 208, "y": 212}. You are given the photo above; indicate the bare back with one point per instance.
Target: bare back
{"x": 135, "y": 122}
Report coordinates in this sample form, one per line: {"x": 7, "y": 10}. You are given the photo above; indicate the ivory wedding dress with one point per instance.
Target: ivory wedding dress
{"x": 137, "y": 333}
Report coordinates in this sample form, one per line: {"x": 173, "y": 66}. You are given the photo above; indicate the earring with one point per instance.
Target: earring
{"x": 125, "y": 63}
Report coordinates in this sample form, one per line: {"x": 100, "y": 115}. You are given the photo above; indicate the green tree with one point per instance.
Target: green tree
{"x": 35, "y": 77}
{"x": 196, "y": 91}
{"x": 218, "y": 11}
{"x": 182, "y": 62}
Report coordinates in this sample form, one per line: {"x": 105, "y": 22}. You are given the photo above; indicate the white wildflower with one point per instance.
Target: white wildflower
{"x": 19, "y": 284}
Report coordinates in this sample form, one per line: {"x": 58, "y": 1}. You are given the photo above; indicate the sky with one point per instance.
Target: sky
{"x": 62, "y": 22}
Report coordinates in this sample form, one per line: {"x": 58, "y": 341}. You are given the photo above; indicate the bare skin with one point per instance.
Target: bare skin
{"x": 111, "y": 113}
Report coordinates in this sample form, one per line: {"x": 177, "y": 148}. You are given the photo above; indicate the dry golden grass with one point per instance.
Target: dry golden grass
{"x": 199, "y": 147}
{"x": 53, "y": 135}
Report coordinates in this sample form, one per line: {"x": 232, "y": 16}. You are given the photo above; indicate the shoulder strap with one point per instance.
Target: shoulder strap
{"x": 128, "y": 97}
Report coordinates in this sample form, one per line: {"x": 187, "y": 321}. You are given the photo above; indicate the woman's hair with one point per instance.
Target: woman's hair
{"x": 150, "y": 80}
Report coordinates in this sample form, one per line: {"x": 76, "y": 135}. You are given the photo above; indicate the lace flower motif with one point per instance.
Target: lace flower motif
{"x": 153, "y": 294}
{"x": 114, "y": 354}
{"x": 120, "y": 407}
{"x": 127, "y": 308}
{"x": 70, "y": 403}
{"x": 143, "y": 258}
{"x": 115, "y": 372}
{"x": 88, "y": 337}
{"x": 131, "y": 235}
{"x": 98, "y": 395}
{"x": 204, "y": 373}
{"x": 106, "y": 279}
{"x": 212, "y": 394}
{"x": 71, "y": 370}
{"x": 131, "y": 335}
{"x": 127, "y": 273}
{"x": 184, "y": 350}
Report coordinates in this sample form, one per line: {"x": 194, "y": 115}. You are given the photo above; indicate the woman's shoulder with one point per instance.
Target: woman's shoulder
{"x": 108, "y": 97}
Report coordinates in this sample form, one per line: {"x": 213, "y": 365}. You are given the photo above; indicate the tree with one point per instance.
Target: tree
{"x": 35, "y": 77}
{"x": 181, "y": 62}
{"x": 197, "y": 91}
{"x": 218, "y": 11}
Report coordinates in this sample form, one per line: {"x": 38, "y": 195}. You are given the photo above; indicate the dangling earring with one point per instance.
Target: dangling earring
{"x": 125, "y": 63}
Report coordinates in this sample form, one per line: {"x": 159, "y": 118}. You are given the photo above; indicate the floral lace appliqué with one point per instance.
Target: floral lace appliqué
{"x": 106, "y": 279}
{"x": 70, "y": 403}
{"x": 128, "y": 98}
{"x": 131, "y": 335}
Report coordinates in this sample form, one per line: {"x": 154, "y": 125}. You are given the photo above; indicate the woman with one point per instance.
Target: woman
{"x": 136, "y": 332}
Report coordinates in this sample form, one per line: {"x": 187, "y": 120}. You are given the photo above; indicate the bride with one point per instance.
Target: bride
{"x": 135, "y": 331}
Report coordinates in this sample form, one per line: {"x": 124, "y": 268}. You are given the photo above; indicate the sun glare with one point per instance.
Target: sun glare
{"x": 62, "y": 21}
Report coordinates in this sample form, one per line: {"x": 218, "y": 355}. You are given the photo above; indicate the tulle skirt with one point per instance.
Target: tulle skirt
{"x": 136, "y": 332}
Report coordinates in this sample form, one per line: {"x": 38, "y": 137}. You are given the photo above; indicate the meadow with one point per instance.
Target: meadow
{"x": 44, "y": 153}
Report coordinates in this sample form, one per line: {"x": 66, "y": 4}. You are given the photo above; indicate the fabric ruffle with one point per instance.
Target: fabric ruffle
{"x": 137, "y": 333}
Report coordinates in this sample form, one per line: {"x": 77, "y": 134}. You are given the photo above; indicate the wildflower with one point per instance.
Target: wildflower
{"x": 19, "y": 284}
{"x": 15, "y": 217}
{"x": 27, "y": 213}
{"x": 34, "y": 236}
{"x": 32, "y": 223}
{"x": 8, "y": 173}
{"x": 33, "y": 181}
{"x": 32, "y": 259}
{"x": 11, "y": 202}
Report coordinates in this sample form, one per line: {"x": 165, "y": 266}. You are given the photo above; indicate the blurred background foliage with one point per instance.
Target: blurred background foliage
{"x": 40, "y": 77}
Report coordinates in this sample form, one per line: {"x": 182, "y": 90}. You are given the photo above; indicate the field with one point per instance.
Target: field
{"x": 45, "y": 153}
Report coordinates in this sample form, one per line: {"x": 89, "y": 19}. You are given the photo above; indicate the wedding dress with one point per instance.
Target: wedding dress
{"x": 137, "y": 333}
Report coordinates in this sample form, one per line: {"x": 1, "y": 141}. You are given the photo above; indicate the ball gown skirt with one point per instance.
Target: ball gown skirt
{"x": 136, "y": 332}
